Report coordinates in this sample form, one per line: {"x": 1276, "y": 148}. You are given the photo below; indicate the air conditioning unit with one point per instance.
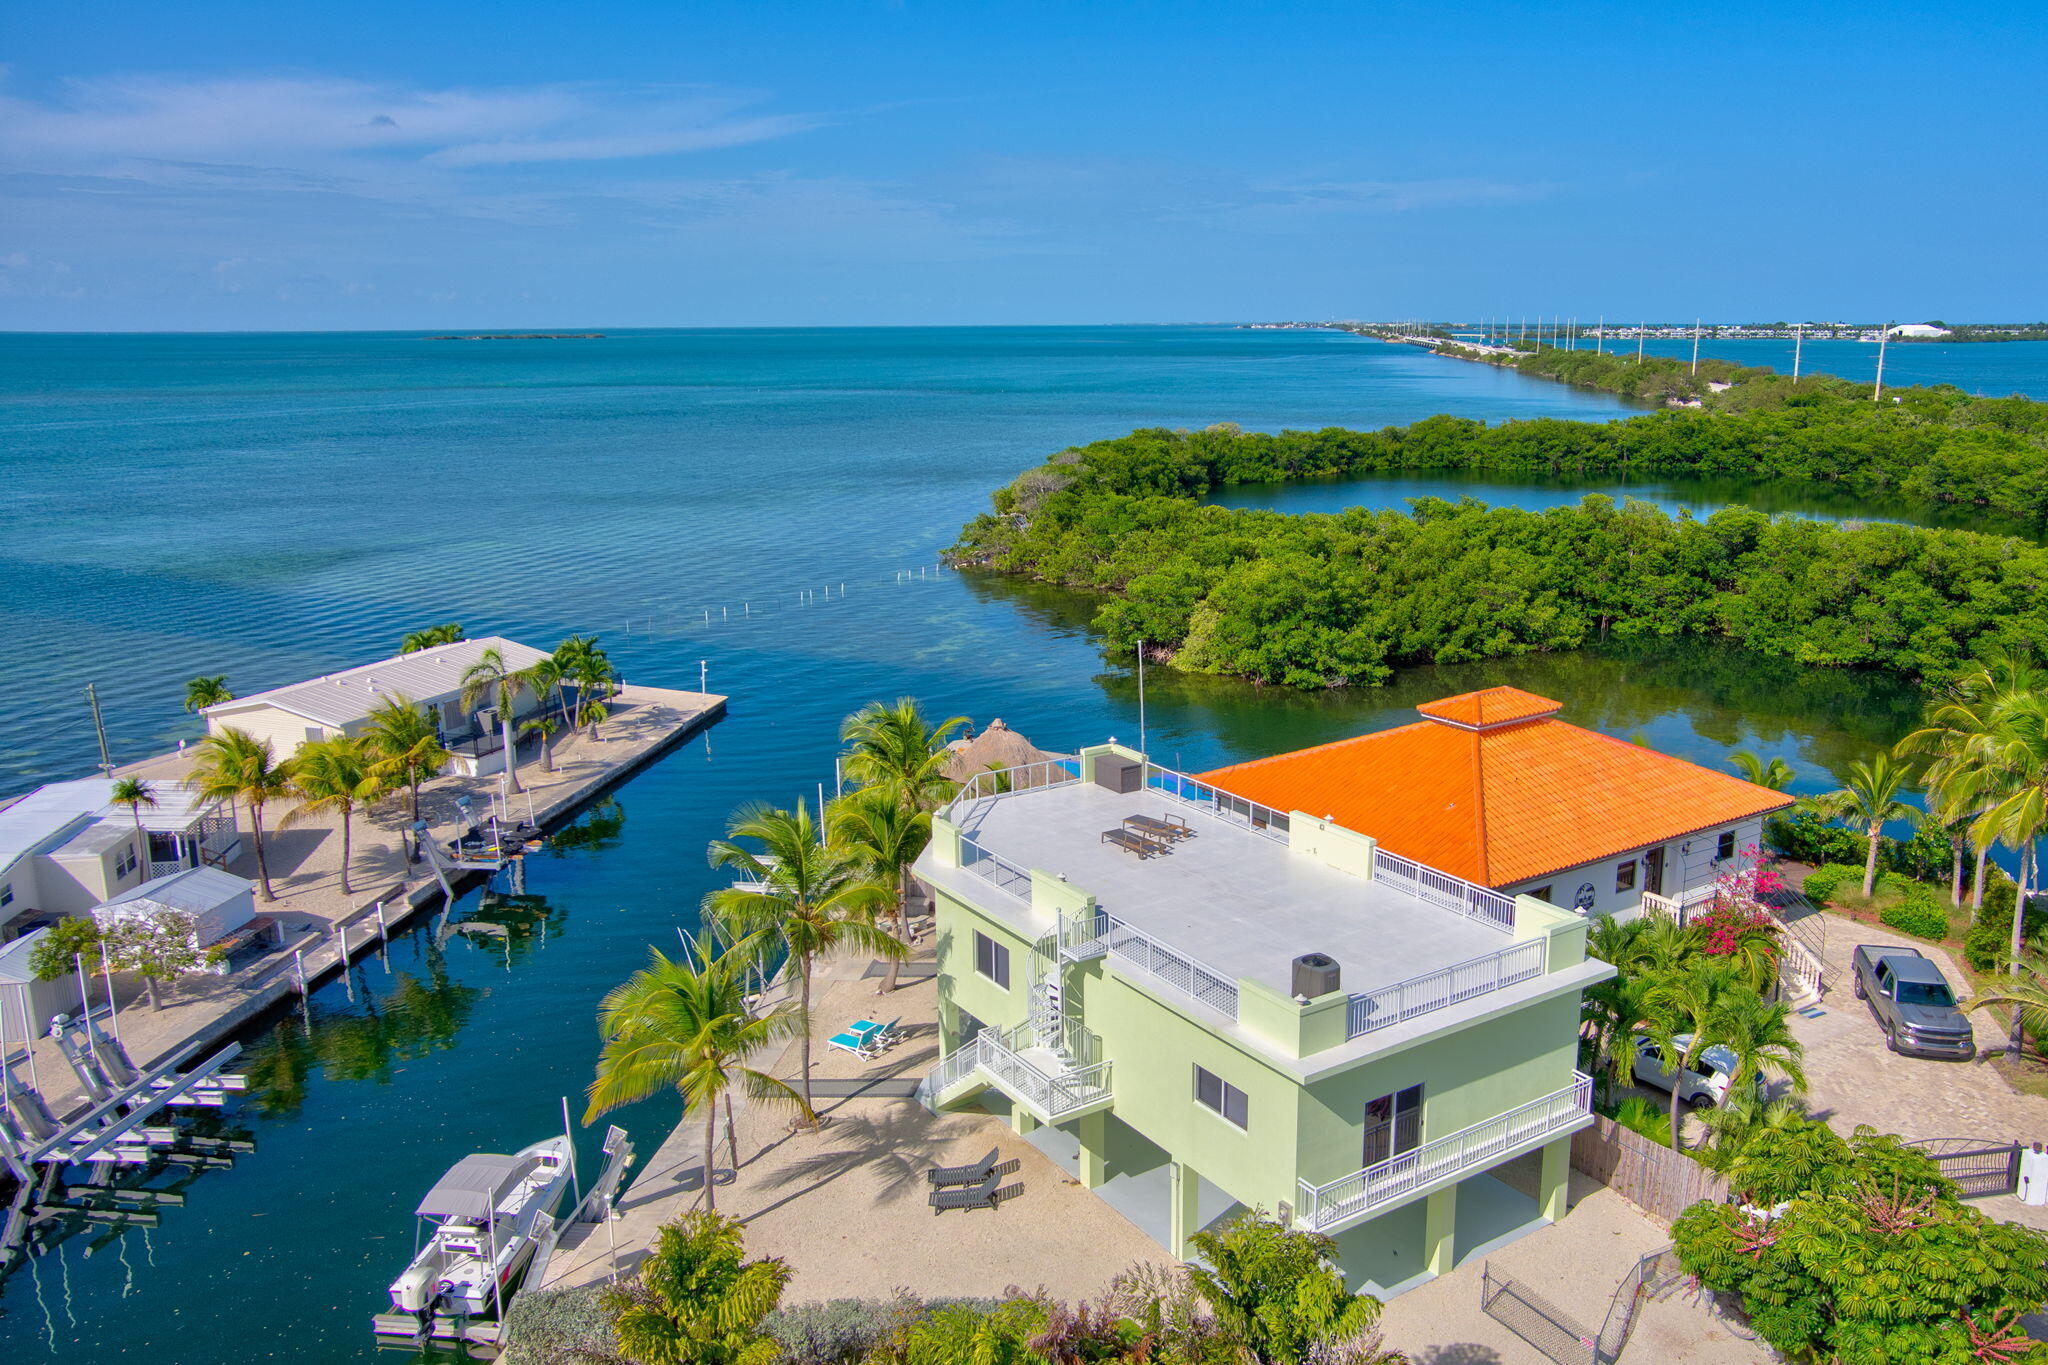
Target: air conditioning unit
{"x": 1315, "y": 974}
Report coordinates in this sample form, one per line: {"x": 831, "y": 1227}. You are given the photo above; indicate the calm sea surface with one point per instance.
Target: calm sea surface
{"x": 276, "y": 506}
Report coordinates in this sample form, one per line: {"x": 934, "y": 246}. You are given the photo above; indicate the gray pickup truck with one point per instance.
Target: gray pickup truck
{"x": 1913, "y": 1003}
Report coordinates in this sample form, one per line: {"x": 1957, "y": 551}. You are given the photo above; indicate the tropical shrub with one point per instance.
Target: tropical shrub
{"x": 1989, "y": 940}
{"x": 845, "y": 1331}
{"x": 550, "y": 1325}
{"x": 1276, "y": 1293}
{"x": 1806, "y": 838}
{"x": 1824, "y": 882}
{"x": 1860, "y": 1252}
{"x": 1643, "y": 1118}
{"x": 1919, "y": 911}
{"x": 695, "y": 1300}
{"x": 1928, "y": 856}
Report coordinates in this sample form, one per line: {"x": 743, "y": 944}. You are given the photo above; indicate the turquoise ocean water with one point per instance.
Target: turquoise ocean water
{"x": 275, "y": 506}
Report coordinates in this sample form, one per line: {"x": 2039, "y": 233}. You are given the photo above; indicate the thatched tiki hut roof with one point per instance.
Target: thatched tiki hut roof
{"x": 996, "y": 747}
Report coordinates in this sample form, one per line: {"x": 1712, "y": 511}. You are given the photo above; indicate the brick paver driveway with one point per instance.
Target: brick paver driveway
{"x": 1853, "y": 1079}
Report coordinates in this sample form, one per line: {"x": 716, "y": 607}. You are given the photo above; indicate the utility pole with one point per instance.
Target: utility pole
{"x": 1600, "y": 336}
{"x": 1141, "y": 697}
{"x": 1798, "y": 340}
{"x": 1695, "y": 345}
{"x": 93, "y": 696}
{"x": 1876, "y": 393}
{"x": 1642, "y": 330}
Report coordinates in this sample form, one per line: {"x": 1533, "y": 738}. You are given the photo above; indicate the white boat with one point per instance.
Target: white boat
{"x": 487, "y": 1215}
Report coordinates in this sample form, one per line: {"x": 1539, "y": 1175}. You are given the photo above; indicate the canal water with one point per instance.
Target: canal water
{"x": 768, "y": 503}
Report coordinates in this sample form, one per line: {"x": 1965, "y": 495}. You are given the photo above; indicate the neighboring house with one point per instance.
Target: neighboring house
{"x": 340, "y": 703}
{"x": 67, "y": 847}
{"x": 1269, "y": 1012}
{"x": 1917, "y": 329}
{"x": 1490, "y": 786}
{"x": 218, "y": 903}
{"x": 27, "y": 1005}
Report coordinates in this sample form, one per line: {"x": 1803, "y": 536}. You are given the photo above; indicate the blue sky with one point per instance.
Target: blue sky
{"x": 211, "y": 165}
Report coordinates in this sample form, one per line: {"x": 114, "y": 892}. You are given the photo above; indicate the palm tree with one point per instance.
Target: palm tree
{"x": 891, "y": 747}
{"x": 685, "y": 1023}
{"x": 1870, "y": 798}
{"x": 695, "y": 1300}
{"x": 546, "y": 678}
{"x": 814, "y": 897}
{"x": 134, "y": 793}
{"x": 1689, "y": 1005}
{"x": 489, "y": 678}
{"x": 888, "y": 839}
{"x": 545, "y": 726}
{"x": 1776, "y": 775}
{"x": 407, "y": 745}
{"x": 2014, "y": 759}
{"x": 447, "y": 633}
{"x": 1959, "y": 785}
{"x": 234, "y": 765}
{"x": 205, "y": 691}
{"x": 338, "y": 774}
{"x": 1759, "y": 1033}
{"x": 1732, "y": 1127}
{"x": 2026, "y": 996}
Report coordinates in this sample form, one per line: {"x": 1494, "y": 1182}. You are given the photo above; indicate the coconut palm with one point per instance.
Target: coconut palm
{"x": 2026, "y": 995}
{"x": 205, "y": 691}
{"x": 684, "y": 1023}
{"x": 490, "y": 679}
{"x": 447, "y": 633}
{"x": 1871, "y": 798}
{"x": 339, "y": 774}
{"x": 1959, "y": 785}
{"x": 406, "y": 744}
{"x": 893, "y": 748}
{"x": 546, "y": 727}
{"x": 134, "y": 793}
{"x": 234, "y": 765}
{"x": 812, "y": 896}
{"x": 545, "y": 678}
{"x": 888, "y": 839}
{"x": 1759, "y": 1033}
{"x": 1685, "y": 1010}
{"x": 1776, "y": 775}
{"x": 2013, "y": 755}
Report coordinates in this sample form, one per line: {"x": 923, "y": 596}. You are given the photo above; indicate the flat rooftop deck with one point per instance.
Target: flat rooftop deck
{"x": 1244, "y": 904}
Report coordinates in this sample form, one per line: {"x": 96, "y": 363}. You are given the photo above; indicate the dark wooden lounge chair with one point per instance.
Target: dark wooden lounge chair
{"x": 974, "y": 1173}
{"x": 1153, "y": 827}
{"x": 987, "y": 1195}
{"x": 1129, "y": 842}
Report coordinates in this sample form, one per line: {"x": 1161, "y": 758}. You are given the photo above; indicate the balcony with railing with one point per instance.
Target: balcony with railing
{"x": 1093, "y": 935}
{"x": 1406, "y": 1175}
{"x": 1033, "y": 1076}
{"x": 1384, "y": 1006}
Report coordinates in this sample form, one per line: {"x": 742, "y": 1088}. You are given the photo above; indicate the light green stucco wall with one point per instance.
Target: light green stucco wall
{"x": 963, "y": 988}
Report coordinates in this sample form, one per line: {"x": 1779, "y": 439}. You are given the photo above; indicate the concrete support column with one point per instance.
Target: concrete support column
{"x": 1553, "y": 1187}
{"x": 1023, "y": 1120}
{"x": 1186, "y": 1207}
{"x": 1440, "y": 1231}
{"x": 1093, "y": 1131}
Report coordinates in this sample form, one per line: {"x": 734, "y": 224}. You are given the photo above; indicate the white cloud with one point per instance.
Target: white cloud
{"x": 322, "y": 123}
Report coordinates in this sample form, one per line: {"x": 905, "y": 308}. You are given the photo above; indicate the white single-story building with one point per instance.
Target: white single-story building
{"x": 218, "y": 903}
{"x": 341, "y": 703}
{"x": 66, "y": 847}
{"x": 27, "y": 1005}
{"x": 1916, "y": 329}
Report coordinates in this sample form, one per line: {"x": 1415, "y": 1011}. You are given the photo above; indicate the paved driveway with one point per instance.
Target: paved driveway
{"x": 1853, "y": 1079}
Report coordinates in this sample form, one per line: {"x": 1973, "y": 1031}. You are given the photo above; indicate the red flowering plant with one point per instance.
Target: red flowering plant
{"x": 1739, "y": 924}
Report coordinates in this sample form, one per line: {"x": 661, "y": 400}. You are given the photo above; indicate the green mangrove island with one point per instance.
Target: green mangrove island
{"x": 1326, "y": 600}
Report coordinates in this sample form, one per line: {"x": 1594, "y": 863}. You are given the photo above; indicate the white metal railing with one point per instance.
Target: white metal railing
{"x": 1057, "y": 771}
{"x": 1235, "y": 809}
{"x": 1387, "y": 1005}
{"x": 1085, "y": 934}
{"x": 1679, "y": 907}
{"x": 1799, "y": 967}
{"x": 1323, "y": 1208}
{"x": 1479, "y": 903}
{"x": 999, "y": 871}
{"x": 1056, "y": 1094}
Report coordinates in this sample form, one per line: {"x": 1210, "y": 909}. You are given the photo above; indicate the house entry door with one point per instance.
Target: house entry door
{"x": 1393, "y": 1125}
{"x": 1653, "y": 872}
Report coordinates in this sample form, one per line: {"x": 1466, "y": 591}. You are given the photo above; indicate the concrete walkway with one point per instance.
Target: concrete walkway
{"x": 305, "y": 867}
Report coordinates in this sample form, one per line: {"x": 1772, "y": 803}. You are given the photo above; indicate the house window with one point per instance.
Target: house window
{"x": 1724, "y": 847}
{"x": 1393, "y": 1125}
{"x": 125, "y": 863}
{"x": 1625, "y": 876}
{"x": 7, "y": 894}
{"x": 992, "y": 960}
{"x": 1213, "y": 1092}
{"x": 1542, "y": 893}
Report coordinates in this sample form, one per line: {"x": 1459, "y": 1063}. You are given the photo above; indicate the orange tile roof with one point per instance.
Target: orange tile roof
{"x": 1497, "y": 800}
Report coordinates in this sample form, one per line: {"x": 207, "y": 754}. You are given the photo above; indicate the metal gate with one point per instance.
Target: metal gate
{"x": 1978, "y": 1168}
{"x": 1536, "y": 1320}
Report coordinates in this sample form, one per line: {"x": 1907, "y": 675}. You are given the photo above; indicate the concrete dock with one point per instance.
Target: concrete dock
{"x": 322, "y": 926}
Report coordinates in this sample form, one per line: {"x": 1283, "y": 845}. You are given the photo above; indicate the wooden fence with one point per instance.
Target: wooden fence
{"x": 1657, "y": 1180}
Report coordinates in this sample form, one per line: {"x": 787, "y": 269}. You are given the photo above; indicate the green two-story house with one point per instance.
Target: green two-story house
{"x": 1199, "y": 1004}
